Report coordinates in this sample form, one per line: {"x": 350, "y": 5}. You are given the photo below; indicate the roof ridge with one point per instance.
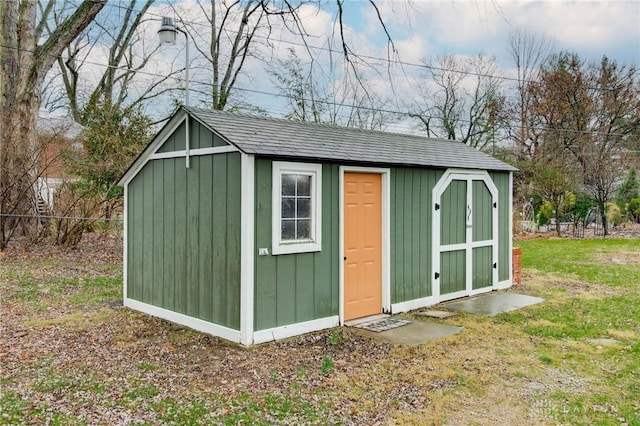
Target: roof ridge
{"x": 313, "y": 123}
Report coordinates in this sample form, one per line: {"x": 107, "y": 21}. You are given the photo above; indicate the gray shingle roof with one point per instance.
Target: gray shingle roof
{"x": 303, "y": 140}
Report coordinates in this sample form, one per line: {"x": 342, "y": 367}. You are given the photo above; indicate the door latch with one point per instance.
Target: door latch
{"x": 436, "y": 275}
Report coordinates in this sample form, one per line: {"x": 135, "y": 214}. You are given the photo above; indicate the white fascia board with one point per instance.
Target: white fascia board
{"x": 279, "y": 333}
{"x": 191, "y": 322}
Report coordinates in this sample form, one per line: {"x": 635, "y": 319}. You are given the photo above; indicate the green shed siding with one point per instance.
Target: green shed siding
{"x": 410, "y": 221}
{"x": 292, "y": 288}
{"x": 184, "y": 245}
{"x": 199, "y": 136}
{"x": 501, "y": 181}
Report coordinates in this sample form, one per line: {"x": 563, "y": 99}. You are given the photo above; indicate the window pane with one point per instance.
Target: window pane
{"x": 288, "y": 185}
{"x": 288, "y": 208}
{"x": 304, "y": 185}
{"x": 304, "y": 208}
{"x": 288, "y": 229}
{"x": 304, "y": 229}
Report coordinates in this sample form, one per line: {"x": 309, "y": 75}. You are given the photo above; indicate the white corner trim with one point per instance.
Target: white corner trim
{"x": 278, "y": 333}
{"x": 247, "y": 243}
{"x": 125, "y": 239}
{"x": 315, "y": 242}
{"x": 195, "y": 323}
{"x": 510, "y": 201}
{"x": 410, "y": 305}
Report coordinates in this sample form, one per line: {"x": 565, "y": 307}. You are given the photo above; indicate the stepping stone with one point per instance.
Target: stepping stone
{"x": 436, "y": 314}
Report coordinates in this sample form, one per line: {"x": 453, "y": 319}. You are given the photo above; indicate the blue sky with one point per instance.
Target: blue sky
{"x": 424, "y": 29}
{"x": 589, "y": 28}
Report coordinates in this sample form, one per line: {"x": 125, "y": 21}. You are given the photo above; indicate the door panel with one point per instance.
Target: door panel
{"x": 482, "y": 212}
{"x": 482, "y": 267}
{"x": 362, "y": 245}
{"x": 454, "y": 271}
{"x": 453, "y": 204}
{"x": 465, "y": 255}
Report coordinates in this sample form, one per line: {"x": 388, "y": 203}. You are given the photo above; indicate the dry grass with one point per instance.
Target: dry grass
{"x": 71, "y": 355}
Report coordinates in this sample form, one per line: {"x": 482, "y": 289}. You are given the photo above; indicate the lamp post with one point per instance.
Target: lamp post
{"x": 168, "y": 34}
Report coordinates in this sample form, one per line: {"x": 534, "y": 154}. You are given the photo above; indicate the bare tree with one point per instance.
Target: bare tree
{"x": 119, "y": 35}
{"x": 324, "y": 98}
{"x": 238, "y": 31}
{"x": 528, "y": 52}
{"x": 590, "y": 115}
{"x": 26, "y": 54}
{"x": 300, "y": 89}
{"x": 463, "y": 102}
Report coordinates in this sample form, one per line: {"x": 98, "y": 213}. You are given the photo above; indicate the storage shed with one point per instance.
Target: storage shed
{"x": 255, "y": 229}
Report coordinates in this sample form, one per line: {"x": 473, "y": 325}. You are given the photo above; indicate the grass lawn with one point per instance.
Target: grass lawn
{"x": 70, "y": 354}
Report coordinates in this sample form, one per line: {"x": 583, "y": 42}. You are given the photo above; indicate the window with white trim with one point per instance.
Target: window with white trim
{"x": 296, "y": 207}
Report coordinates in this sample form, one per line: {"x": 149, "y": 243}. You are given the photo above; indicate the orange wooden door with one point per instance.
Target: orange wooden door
{"x": 362, "y": 245}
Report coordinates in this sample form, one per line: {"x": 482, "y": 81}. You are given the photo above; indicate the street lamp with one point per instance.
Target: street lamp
{"x": 168, "y": 33}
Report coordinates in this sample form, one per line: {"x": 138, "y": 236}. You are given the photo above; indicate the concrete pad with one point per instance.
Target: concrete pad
{"x": 432, "y": 313}
{"x": 415, "y": 333}
{"x": 492, "y": 303}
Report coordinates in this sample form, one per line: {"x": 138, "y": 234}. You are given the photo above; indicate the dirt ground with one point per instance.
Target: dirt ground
{"x": 98, "y": 363}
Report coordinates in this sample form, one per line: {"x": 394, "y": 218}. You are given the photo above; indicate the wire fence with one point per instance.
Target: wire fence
{"x": 66, "y": 231}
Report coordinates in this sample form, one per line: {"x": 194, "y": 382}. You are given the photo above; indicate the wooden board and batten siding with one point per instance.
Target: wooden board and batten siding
{"x": 411, "y": 218}
{"x": 199, "y": 243}
{"x": 184, "y": 233}
{"x": 502, "y": 181}
{"x": 300, "y": 287}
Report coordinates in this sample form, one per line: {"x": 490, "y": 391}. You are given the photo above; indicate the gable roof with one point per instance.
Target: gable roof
{"x": 304, "y": 140}
{"x": 299, "y": 140}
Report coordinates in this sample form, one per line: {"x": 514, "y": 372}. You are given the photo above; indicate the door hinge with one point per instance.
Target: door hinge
{"x": 495, "y": 265}
{"x": 495, "y": 205}
{"x": 437, "y": 206}
{"x": 436, "y": 275}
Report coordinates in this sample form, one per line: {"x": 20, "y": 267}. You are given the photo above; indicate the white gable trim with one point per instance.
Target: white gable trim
{"x": 150, "y": 152}
{"x": 162, "y": 136}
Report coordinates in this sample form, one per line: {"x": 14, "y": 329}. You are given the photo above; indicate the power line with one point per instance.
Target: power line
{"x": 326, "y": 102}
{"x": 374, "y": 58}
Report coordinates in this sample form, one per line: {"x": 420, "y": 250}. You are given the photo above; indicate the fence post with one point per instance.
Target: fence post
{"x": 517, "y": 265}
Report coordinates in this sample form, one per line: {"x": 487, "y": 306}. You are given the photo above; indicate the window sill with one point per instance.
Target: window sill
{"x": 291, "y": 248}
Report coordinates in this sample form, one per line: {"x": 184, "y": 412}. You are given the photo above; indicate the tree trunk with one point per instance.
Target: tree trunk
{"x": 603, "y": 216}
{"x": 24, "y": 65}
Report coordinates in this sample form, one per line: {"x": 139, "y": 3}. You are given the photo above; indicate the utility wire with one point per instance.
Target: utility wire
{"x": 374, "y": 58}
{"x": 326, "y": 102}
